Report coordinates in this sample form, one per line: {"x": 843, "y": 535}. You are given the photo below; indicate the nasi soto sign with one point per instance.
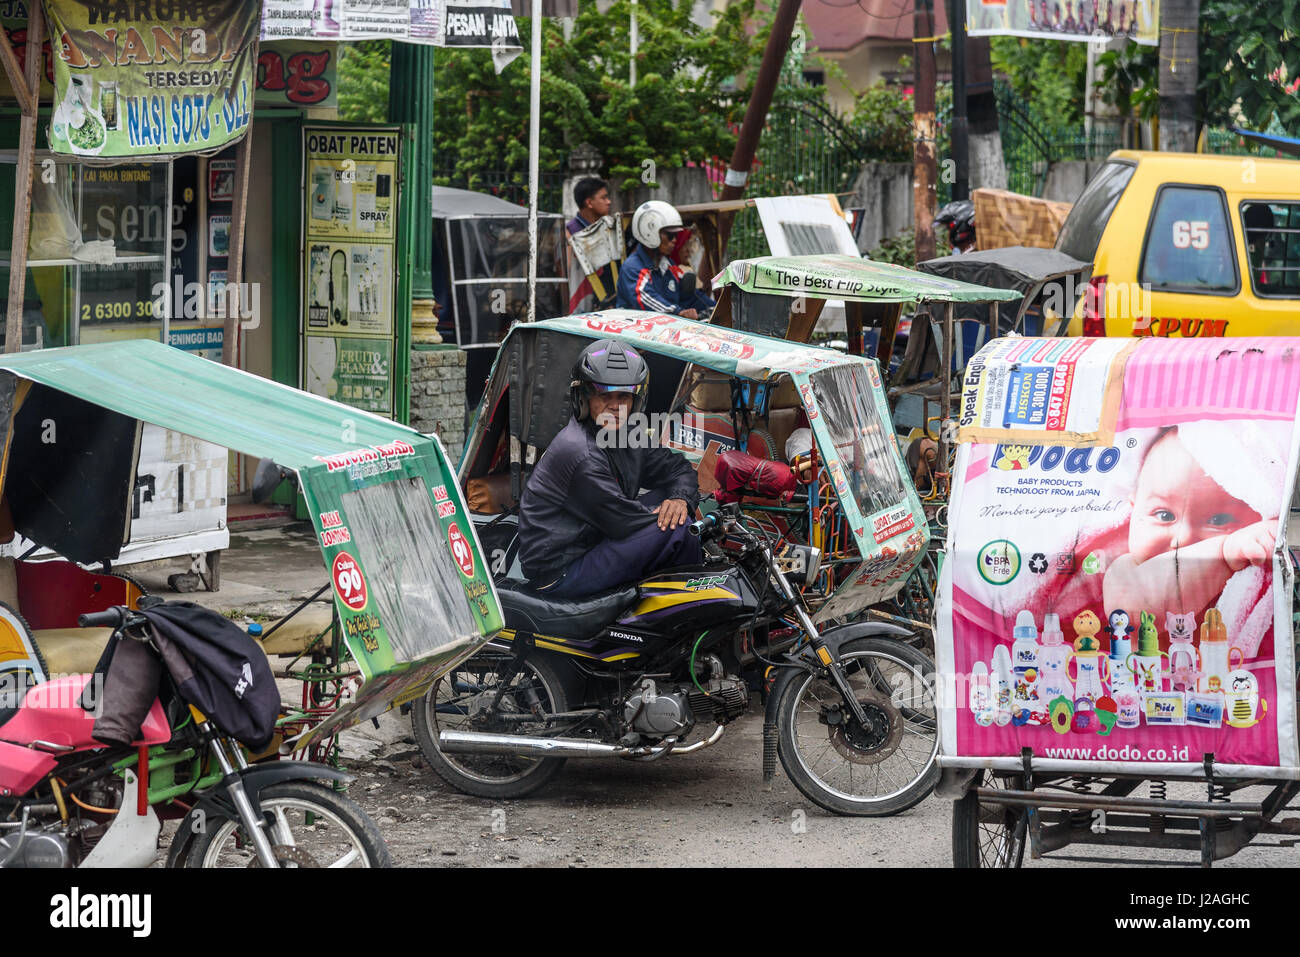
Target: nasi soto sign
{"x": 151, "y": 77}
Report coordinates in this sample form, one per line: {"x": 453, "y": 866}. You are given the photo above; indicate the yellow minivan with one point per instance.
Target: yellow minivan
{"x": 1188, "y": 244}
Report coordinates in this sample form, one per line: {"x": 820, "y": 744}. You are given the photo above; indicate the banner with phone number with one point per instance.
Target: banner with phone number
{"x": 156, "y": 77}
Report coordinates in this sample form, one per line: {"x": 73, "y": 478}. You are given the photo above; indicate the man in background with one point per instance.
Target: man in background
{"x": 595, "y": 248}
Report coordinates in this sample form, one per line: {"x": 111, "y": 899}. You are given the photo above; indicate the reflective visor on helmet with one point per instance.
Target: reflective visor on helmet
{"x": 634, "y": 391}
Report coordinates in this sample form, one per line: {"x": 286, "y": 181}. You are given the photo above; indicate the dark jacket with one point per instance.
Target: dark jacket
{"x": 581, "y": 494}
{"x": 642, "y": 284}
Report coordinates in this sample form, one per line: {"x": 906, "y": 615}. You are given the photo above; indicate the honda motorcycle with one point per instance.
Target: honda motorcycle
{"x": 659, "y": 668}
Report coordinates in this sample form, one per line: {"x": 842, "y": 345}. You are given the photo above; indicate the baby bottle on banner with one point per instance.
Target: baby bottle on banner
{"x": 1129, "y": 707}
{"x": 1144, "y": 664}
{"x": 981, "y": 695}
{"x": 1091, "y": 667}
{"x": 1024, "y": 664}
{"x": 1184, "y": 661}
{"x": 1002, "y": 683}
{"x": 1053, "y": 658}
{"x": 1214, "y": 653}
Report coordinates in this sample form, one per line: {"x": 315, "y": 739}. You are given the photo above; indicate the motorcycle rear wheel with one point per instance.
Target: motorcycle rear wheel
{"x": 449, "y": 705}
{"x": 872, "y": 771}
{"x": 310, "y": 825}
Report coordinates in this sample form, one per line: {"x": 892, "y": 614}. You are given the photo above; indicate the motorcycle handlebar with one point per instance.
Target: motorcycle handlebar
{"x": 112, "y": 618}
{"x": 703, "y": 525}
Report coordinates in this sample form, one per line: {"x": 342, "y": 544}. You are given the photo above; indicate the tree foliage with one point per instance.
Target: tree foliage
{"x": 363, "y": 81}
{"x": 1050, "y": 75}
{"x": 1250, "y": 63}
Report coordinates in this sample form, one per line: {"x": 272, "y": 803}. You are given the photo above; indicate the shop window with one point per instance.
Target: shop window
{"x": 1272, "y": 232}
{"x": 1189, "y": 245}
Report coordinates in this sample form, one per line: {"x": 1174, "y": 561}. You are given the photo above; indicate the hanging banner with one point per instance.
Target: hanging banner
{"x": 151, "y": 77}
{"x": 1127, "y": 603}
{"x": 1066, "y": 19}
{"x": 297, "y": 74}
{"x": 460, "y": 23}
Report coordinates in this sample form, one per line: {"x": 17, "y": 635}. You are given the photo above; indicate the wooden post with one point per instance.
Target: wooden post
{"x": 28, "y": 89}
{"x": 853, "y": 323}
{"x": 888, "y": 330}
{"x": 923, "y": 159}
{"x": 235, "y": 270}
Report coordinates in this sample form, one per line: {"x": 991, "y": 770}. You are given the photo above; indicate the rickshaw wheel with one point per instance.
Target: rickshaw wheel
{"x": 987, "y": 835}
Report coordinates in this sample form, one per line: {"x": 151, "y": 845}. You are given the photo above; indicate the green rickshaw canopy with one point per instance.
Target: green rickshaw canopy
{"x": 850, "y": 278}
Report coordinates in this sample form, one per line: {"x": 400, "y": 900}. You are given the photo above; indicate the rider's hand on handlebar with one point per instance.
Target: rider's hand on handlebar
{"x": 672, "y": 512}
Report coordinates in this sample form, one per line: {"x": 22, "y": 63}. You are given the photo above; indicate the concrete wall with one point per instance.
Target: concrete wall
{"x": 438, "y": 395}
{"x": 884, "y": 190}
{"x": 1067, "y": 178}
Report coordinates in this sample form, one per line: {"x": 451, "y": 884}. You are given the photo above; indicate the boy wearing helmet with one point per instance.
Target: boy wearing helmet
{"x": 582, "y": 527}
{"x": 649, "y": 279}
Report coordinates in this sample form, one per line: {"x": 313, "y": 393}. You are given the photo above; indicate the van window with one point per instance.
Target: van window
{"x": 1081, "y": 233}
{"x": 1272, "y": 232}
{"x": 1189, "y": 243}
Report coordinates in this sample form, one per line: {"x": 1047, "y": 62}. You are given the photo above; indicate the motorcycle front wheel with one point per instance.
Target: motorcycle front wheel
{"x": 875, "y": 769}
{"x": 309, "y": 825}
{"x": 471, "y": 697}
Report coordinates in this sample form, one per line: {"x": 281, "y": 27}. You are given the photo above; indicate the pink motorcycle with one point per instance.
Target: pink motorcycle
{"x": 68, "y": 800}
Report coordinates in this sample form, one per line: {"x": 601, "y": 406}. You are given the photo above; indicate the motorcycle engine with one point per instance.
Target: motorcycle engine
{"x": 724, "y": 698}
{"x": 654, "y": 714}
{"x": 42, "y": 849}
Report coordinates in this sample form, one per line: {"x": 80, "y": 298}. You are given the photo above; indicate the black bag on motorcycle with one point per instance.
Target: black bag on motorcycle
{"x": 219, "y": 669}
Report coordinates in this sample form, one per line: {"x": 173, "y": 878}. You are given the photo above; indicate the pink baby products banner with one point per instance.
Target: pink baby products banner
{"x": 1117, "y": 588}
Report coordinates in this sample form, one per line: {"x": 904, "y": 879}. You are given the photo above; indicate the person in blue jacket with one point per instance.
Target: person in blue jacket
{"x": 649, "y": 279}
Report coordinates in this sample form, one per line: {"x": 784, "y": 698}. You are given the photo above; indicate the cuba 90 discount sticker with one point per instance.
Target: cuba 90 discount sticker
{"x": 461, "y": 551}
{"x": 348, "y": 582}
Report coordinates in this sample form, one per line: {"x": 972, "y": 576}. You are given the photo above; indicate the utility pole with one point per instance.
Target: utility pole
{"x": 923, "y": 161}
{"x": 778, "y": 43}
{"x": 960, "y": 128}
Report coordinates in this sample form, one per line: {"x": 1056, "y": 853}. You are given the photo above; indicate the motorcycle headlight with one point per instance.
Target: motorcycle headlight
{"x": 801, "y": 563}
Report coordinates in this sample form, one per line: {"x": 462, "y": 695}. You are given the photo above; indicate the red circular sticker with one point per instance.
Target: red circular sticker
{"x": 348, "y": 581}
{"x": 461, "y": 551}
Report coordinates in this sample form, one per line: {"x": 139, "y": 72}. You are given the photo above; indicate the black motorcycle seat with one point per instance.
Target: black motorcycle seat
{"x": 527, "y": 610}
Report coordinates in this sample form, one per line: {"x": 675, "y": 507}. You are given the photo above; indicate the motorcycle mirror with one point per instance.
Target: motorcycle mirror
{"x": 266, "y": 480}
{"x": 686, "y": 285}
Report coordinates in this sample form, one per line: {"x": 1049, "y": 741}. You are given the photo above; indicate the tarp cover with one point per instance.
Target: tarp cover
{"x": 1117, "y": 590}
{"x": 848, "y": 277}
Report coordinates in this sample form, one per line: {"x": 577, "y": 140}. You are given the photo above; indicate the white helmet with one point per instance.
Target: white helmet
{"x": 649, "y": 218}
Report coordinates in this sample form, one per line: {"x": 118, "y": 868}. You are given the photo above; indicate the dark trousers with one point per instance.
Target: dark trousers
{"x": 616, "y": 561}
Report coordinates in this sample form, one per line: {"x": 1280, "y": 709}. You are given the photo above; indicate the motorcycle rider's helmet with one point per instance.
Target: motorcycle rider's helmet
{"x": 959, "y": 217}
{"x": 608, "y": 366}
{"x": 652, "y": 216}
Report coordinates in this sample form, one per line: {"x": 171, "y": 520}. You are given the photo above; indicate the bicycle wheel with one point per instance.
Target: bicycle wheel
{"x": 988, "y": 835}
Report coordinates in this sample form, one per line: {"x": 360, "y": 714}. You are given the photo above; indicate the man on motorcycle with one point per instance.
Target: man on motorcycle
{"x": 649, "y": 279}
{"x": 582, "y": 527}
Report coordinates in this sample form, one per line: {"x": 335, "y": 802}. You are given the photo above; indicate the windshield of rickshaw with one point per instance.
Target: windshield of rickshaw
{"x": 410, "y": 583}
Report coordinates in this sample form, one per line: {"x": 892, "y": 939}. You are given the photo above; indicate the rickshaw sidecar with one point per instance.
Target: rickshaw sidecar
{"x": 1116, "y": 600}
{"x": 709, "y": 385}
{"x": 410, "y": 585}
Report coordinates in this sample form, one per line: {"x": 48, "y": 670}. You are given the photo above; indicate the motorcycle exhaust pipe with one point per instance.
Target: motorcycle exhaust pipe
{"x": 476, "y": 742}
